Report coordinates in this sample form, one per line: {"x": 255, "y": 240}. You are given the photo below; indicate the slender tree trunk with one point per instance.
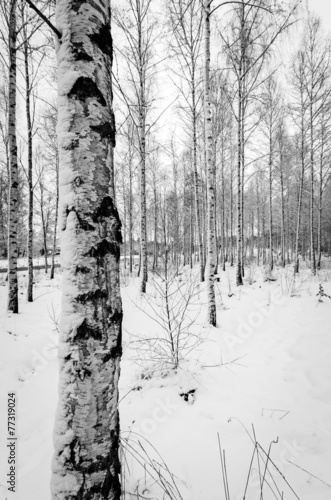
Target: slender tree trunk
{"x": 258, "y": 242}
{"x": 319, "y": 234}
{"x": 44, "y": 225}
{"x": 56, "y": 213}
{"x": 271, "y": 258}
{"x": 312, "y": 244}
{"x": 130, "y": 221}
{"x": 239, "y": 279}
{"x": 196, "y": 185}
{"x": 191, "y": 246}
{"x": 223, "y": 210}
{"x": 13, "y": 167}
{"x": 142, "y": 146}
{"x": 320, "y": 199}
{"x": 283, "y": 262}
{"x": 30, "y": 181}
{"x": 242, "y": 208}
{"x": 211, "y": 262}
{"x": 155, "y": 249}
{"x": 86, "y": 437}
{"x": 302, "y": 176}
{"x": 231, "y": 216}
{"x": 3, "y": 245}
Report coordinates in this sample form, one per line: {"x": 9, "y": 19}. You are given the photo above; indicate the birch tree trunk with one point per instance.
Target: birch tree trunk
{"x": 271, "y": 256}
{"x": 320, "y": 208}
{"x": 211, "y": 262}
{"x": 312, "y": 243}
{"x": 143, "y": 214}
{"x": 56, "y": 213}
{"x": 302, "y": 175}
{"x": 196, "y": 182}
{"x": 239, "y": 279}
{"x": 282, "y": 199}
{"x": 13, "y": 167}
{"x": 130, "y": 219}
{"x": 44, "y": 223}
{"x": 30, "y": 181}
{"x": 86, "y": 435}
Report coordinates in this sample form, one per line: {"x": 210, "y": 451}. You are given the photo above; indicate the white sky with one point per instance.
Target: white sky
{"x": 323, "y": 9}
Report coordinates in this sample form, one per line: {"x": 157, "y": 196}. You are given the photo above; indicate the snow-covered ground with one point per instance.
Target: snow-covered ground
{"x": 265, "y": 367}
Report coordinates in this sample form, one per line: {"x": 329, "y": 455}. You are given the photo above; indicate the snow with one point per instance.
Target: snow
{"x": 267, "y": 364}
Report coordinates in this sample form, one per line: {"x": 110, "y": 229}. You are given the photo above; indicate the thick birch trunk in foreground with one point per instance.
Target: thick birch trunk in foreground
{"x": 13, "y": 167}
{"x": 211, "y": 262}
{"x": 86, "y": 435}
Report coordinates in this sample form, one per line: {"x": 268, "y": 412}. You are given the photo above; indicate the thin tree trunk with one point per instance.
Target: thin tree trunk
{"x": 320, "y": 199}
{"x": 196, "y": 186}
{"x": 231, "y": 216}
{"x": 302, "y": 176}
{"x": 13, "y": 167}
{"x": 155, "y": 249}
{"x": 30, "y": 181}
{"x": 130, "y": 221}
{"x": 283, "y": 262}
{"x": 239, "y": 279}
{"x": 211, "y": 263}
{"x": 56, "y": 214}
{"x": 142, "y": 146}
{"x": 271, "y": 257}
{"x": 312, "y": 245}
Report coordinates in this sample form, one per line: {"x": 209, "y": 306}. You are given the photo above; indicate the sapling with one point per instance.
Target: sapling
{"x": 173, "y": 306}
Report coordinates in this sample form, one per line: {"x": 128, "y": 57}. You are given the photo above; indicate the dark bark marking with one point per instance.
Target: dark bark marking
{"x": 103, "y": 40}
{"x": 78, "y": 181}
{"x": 85, "y": 331}
{"x": 85, "y": 88}
{"x": 84, "y": 224}
{"x": 79, "y": 52}
{"x": 74, "y": 143}
{"x": 104, "y": 248}
{"x": 107, "y": 209}
{"x": 106, "y": 131}
{"x": 91, "y": 296}
{"x": 72, "y": 447}
{"x": 117, "y": 316}
{"x": 76, "y": 5}
{"x": 82, "y": 269}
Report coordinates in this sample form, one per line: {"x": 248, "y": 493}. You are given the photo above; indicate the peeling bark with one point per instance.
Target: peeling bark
{"x": 86, "y": 436}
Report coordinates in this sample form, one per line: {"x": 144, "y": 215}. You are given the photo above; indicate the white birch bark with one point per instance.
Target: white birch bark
{"x": 13, "y": 167}
{"x": 211, "y": 262}
{"x": 86, "y": 435}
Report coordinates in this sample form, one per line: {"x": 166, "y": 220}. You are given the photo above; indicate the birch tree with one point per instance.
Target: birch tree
{"x": 317, "y": 60}
{"x": 86, "y": 435}
{"x": 186, "y": 23}
{"x": 13, "y": 164}
{"x": 139, "y": 29}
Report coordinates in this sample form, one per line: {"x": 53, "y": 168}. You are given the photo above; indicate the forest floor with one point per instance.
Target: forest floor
{"x": 262, "y": 376}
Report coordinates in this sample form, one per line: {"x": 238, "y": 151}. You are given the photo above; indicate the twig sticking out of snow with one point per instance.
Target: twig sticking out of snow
{"x": 312, "y": 475}
{"x": 154, "y": 467}
{"x": 224, "y": 471}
